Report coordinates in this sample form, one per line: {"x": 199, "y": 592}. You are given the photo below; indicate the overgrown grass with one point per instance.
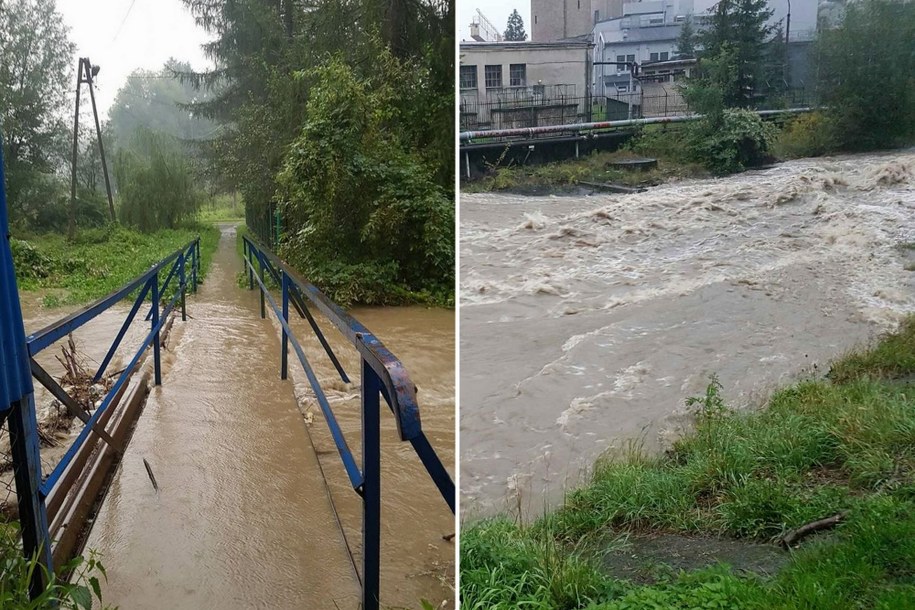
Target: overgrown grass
{"x": 221, "y": 208}
{"x": 99, "y": 260}
{"x": 846, "y": 443}
{"x": 665, "y": 143}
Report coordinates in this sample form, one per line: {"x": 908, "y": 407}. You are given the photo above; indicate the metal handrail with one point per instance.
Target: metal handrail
{"x": 382, "y": 375}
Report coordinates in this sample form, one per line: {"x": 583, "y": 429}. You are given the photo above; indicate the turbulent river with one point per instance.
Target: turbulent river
{"x": 587, "y": 321}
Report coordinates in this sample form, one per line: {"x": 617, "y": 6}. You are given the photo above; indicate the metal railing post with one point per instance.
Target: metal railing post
{"x": 183, "y": 280}
{"x": 260, "y": 274}
{"x": 284, "y": 355}
{"x": 250, "y": 263}
{"x": 195, "y": 265}
{"x": 157, "y": 359}
{"x": 33, "y": 515}
{"x": 371, "y": 488}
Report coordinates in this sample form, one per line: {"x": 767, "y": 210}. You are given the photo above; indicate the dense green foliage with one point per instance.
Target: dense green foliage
{"x": 275, "y": 104}
{"x": 737, "y": 36}
{"x": 156, "y": 187}
{"x": 731, "y": 141}
{"x": 514, "y": 29}
{"x": 366, "y": 210}
{"x": 737, "y": 57}
{"x": 818, "y": 448}
{"x": 867, "y": 75}
{"x": 34, "y": 79}
{"x": 82, "y": 592}
{"x": 98, "y": 260}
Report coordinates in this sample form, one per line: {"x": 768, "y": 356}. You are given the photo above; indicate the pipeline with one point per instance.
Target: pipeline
{"x": 530, "y": 132}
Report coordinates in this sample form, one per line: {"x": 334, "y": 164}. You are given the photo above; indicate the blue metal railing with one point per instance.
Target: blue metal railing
{"x": 382, "y": 375}
{"x": 18, "y": 366}
{"x": 148, "y": 283}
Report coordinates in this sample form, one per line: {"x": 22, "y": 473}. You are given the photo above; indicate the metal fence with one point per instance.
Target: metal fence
{"x": 655, "y": 102}
{"x": 382, "y": 375}
{"x": 46, "y": 508}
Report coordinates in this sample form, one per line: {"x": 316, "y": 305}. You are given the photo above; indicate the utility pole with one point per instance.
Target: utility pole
{"x": 84, "y": 74}
{"x": 788, "y": 42}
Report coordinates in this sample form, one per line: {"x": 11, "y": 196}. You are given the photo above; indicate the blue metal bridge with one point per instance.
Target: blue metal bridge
{"x": 44, "y": 496}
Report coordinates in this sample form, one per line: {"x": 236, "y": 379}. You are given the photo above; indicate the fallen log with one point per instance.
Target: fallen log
{"x": 795, "y": 536}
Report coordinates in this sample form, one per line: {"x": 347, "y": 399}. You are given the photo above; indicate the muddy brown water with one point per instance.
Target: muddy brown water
{"x": 243, "y": 518}
{"x": 587, "y": 321}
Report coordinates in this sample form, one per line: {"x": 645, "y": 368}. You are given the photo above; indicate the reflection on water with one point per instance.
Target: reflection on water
{"x": 586, "y": 321}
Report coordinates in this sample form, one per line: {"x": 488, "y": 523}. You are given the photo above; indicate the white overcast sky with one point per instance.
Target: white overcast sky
{"x": 153, "y": 31}
{"x": 497, "y": 11}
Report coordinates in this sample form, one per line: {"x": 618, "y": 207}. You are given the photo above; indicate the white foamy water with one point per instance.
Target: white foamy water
{"x": 587, "y": 321}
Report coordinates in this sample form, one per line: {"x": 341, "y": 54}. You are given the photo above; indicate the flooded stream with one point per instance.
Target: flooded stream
{"x": 243, "y": 518}
{"x": 587, "y": 321}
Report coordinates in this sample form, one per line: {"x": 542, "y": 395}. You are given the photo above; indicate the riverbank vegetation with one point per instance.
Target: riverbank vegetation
{"x": 98, "y": 261}
{"x": 838, "y": 448}
{"x": 338, "y": 132}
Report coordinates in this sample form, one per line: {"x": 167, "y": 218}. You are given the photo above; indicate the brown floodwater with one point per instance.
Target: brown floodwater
{"x": 243, "y": 518}
{"x": 587, "y": 321}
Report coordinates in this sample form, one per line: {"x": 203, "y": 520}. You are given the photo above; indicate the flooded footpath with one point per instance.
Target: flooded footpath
{"x": 243, "y": 517}
{"x": 587, "y": 321}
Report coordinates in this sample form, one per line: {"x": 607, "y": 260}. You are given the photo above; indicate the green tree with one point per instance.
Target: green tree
{"x": 741, "y": 26}
{"x": 35, "y": 57}
{"x": 866, "y": 75}
{"x": 268, "y": 52}
{"x": 686, "y": 41}
{"x": 158, "y": 100}
{"x": 367, "y": 212}
{"x": 514, "y": 30}
{"x": 156, "y": 187}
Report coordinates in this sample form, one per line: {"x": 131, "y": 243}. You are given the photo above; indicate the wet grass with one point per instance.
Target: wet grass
{"x": 666, "y": 143}
{"x": 846, "y": 443}
{"x": 221, "y": 209}
{"x": 99, "y": 260}
{"x": 560, "y": 175}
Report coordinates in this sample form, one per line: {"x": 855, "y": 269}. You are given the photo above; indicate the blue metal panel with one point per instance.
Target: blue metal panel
{"x": 17, "y": 403}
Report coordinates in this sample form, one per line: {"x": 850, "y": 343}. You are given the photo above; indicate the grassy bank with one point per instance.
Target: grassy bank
{"x": 98, "y": 261}
{"x": 666, "y": 143}
{"x": 844, "y": 445}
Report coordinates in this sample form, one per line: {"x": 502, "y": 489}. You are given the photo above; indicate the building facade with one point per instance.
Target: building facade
{"x": 523, "y": 84}
{"x": 554, "y": 20}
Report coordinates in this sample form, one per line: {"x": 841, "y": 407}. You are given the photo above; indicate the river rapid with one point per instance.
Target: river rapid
{"x": 587, "y": 321}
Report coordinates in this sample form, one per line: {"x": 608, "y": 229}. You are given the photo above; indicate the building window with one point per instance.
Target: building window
{"x": 620, "y": 59}
{"x": 653, "y": 57}
{"x": 665, "y": 56}
{"x": 596, "y": 17}
{"x": 468, "y": 77}
{"x": 631, "y": 60}
{"x": 493, "y": 77}
{"x": 517, "y": 75}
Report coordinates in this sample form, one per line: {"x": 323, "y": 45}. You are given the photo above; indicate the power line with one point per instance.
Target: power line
{"x": 124, "y": 20}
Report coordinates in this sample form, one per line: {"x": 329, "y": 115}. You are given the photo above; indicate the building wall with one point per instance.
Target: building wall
{"x": 559, "y": 19}
{"x": 550, "y": 64}
{"x": 560, "y": 68}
